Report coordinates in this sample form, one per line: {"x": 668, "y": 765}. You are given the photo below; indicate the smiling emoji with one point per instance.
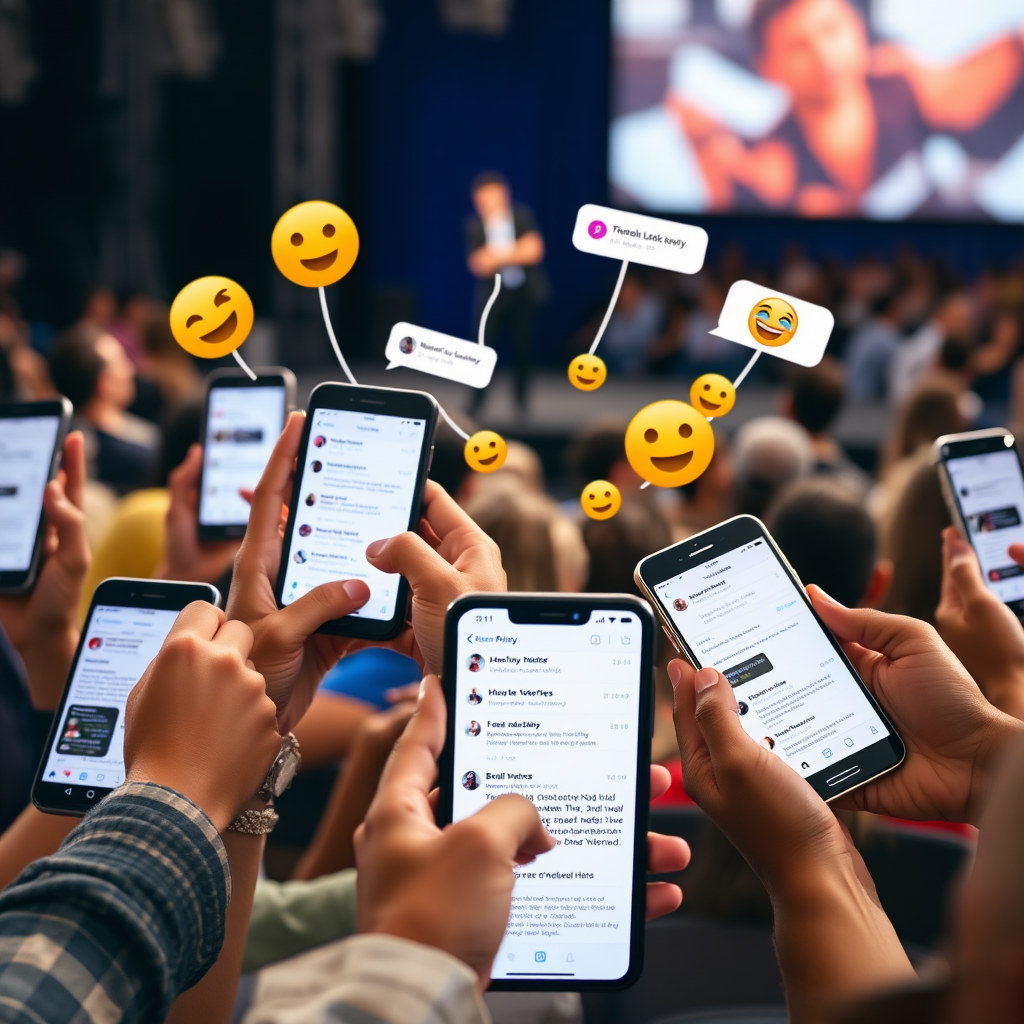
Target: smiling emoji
{"x": 713, "y": 394}
{"x": 314, "y": 244}
{"x": 772, "y": 322}
{"x": 587, "y": 372}
{"x": 485, "y": 451}
{"x": 211, "y": 317}
{"x": 601, "y": 499}
{"x": 669, "y": 443}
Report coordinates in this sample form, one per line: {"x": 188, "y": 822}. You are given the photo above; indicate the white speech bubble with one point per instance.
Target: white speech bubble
{"x": 440, "y": 354}
{"x": 814, "y": 324}
{"x": 648, "y": 240}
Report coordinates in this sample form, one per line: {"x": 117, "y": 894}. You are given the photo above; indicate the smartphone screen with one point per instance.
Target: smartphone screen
{"x": 87, "y": 747}
{"x": 242, "y": 427}
{"x": 554, "y": 712}
{"x": 741, "y": 612}
{"x": 26, "y": 455}
{"x": 356, "y": 484}
{"x": 989, "y": 490}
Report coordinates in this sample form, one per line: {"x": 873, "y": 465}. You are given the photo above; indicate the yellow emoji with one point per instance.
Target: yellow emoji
{"x": 600, "y": 499}
{"x": 485, "y": 451}
{"x": 713, "y": 394}
{"x": 772, "y": 322}
{"x": 314, "y": 243}
{"x": 669, "y": 443}
{"x": 587, "y": 372}
{"x": 211, "y": 317}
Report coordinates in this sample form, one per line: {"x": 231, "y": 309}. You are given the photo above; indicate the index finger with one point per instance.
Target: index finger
{"x": 73, "y": 464}
{"x": 442, "y": 512}
{"x": 412, "y": 766}
{"x": 267, "y": 499}
{"x": 948, "y": 592}
{"x": 199, "y": 618}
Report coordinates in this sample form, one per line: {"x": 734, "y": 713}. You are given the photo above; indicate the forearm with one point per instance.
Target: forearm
{"x": 47, "y": 665}
{"x": 1001, "y": 732}
{"x": 834, "y": 944}
{"x": 29, "y": 837}
{"x": 211, "y": 1001}
{"x": 133, "y": 902}
{"x": 327, "y": 730}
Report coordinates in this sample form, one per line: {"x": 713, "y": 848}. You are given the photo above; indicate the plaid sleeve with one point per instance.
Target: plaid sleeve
{"x": 126, "y": 915}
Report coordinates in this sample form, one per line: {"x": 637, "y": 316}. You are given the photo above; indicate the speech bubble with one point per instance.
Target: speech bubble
{"x": 808, "y": 336}
{"x": 440, "y": 354}
{"x": 651, "y": 241}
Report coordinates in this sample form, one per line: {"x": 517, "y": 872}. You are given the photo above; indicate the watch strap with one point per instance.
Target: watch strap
{"x": 255, "y": 823}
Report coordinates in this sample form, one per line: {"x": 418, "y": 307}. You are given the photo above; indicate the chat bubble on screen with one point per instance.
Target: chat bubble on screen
{"x": 793, "y": 330}
{"x": 440, "y": 354}
{"x": 651, "y": 241}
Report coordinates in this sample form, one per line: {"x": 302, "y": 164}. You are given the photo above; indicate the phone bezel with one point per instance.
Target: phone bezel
{"x": 17, "y": 581}
{"x": 266, "y": 376}
{"x": 962, "y": 446}
{"x": 872, "y": 761}
{"x": 383, "y": 402}
{"x": 559, "y": 609}
{"x": 127, "y": 593}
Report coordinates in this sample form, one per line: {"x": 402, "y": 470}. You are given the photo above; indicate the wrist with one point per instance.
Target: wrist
{"x": 209, "y": 799}
{"x": 999, "y": 732}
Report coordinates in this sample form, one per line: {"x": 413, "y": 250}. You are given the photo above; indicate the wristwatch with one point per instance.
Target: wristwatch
{"x": 279, "y": 778}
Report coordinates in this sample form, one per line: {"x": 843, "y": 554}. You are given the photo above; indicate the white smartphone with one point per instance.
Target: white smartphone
{"x": 983, "y": 484}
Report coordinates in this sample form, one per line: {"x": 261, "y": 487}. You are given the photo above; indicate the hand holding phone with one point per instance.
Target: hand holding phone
{"x": 42, "y": 624}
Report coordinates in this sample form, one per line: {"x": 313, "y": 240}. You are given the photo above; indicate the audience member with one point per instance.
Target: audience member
{"x": 165, "y": 362}
{"x": 871, "y": 347}
{"x": 830, "y": 540}
{"x": 91, "y": 369}
{"x": 634, "y": 326}
{"x": 768, "y": 453}
{"x": 710, "y": 499}
{"x": 598, "y": 452}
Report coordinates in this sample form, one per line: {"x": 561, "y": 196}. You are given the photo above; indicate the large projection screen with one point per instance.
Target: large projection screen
{"x": 883, "y": 109}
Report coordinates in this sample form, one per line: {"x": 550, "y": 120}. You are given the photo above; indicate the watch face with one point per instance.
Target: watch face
{"x": 288, "y": 766}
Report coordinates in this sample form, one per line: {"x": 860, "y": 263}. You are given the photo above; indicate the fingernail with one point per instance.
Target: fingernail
{"x": 375, "y": 548}
{"x": 704, "y": 678}
{"x": 423, "y": 690}
{"x": 958, "y": 546}
{"x": 355, "y": 590}
{"x": 675, "y": 673}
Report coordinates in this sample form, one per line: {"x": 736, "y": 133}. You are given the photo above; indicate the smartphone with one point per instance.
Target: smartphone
{"x": 983, "y": 484}
{"x": 127, "y": 623}
{"x": 31, "y": 441}
{"x": 551, "y": 697}
{"x": 728, "y": 598}
{"x": 363, "y": 464}
{"x": 242, "y": 422}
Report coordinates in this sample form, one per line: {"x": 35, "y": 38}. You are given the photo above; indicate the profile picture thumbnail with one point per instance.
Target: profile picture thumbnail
{"x": 305, "y": 530}
{"x": 311, "y": 498}
{"x": 407, "y": 346}
{"x": 742, "y": 707}
{"x": 319, "y": 441}
{"x": 476, "y": 663}
{"x": 680, "y": 604}
{"x": 475, "y": 697}
{"x": 471, "y": 781}
{"x": 299, "y": 557}
{"x": 473, "y": 728}
{"x": 316, "y": 465}
{"x": 95, "y": 643}
{"x": 768, "y": 743}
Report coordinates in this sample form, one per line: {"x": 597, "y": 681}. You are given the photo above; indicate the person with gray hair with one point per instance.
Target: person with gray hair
{"x": 768, "y": 453}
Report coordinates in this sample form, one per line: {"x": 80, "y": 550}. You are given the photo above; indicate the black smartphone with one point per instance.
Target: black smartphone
{"x": 127, "y": 623}
{"x": 31, "y": 440}
{"x": 983, "y": 484}
{"x": 242, "y": 421}
{"x": 551, "y": 697}
{"x": 363, "y": 464}
{"x": 728, "y": 598}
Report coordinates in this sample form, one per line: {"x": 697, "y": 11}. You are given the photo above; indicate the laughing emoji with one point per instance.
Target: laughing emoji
{"x": 211, "y": 317}
{"x": 772, "y": 322}
{"x": 314, "y": 244}
{"x": 587, "y": 372}
{"x": 669, "y": 443}
{"x": 713, "y": 394}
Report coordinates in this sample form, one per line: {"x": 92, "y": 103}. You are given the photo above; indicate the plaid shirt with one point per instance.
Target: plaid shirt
{"x": 126, "y": 915}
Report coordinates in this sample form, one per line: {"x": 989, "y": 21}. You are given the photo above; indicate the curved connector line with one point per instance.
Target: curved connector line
{"x": 330, "y": 334}
{"x": 243, "y": 364}
{"x": 611, "y": 306}
{"x": 451, "y": 423}
{"x": 746, "y": 369}
{"x": 487, "y": 309}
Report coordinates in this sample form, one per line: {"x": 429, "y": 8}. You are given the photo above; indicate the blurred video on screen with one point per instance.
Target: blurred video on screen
{"x": 883, "y": 109}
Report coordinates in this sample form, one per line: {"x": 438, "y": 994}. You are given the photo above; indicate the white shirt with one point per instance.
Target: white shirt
{"x": 500, "y": 233}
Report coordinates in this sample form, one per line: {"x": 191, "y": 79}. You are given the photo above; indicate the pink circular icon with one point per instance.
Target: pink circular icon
{"x": 597, "y": 229}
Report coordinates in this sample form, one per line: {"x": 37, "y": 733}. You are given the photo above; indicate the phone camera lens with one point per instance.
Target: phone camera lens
{"x": 945, "y": 449}
{"x": 575, "y": 616}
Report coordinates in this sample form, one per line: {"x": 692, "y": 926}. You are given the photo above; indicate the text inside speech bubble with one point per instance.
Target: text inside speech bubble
{"x": 775, "y": 323}
{"x": 440, "y": 354}
{"x": 648, "y": 240}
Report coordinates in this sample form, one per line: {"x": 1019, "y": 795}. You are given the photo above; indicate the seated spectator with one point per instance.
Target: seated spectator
{"x": 709, "y": 499}
{"x": 813, "y": 399}
{"x": 768, "y": 453}
{"x": 830, "y": 540}
{"x": 165, "y": 362}
{"x": 871, "y": 348}
{"x": 91, "y": 369}
{"x": 635, "y": 324}
{"x": 598, "y": 452}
